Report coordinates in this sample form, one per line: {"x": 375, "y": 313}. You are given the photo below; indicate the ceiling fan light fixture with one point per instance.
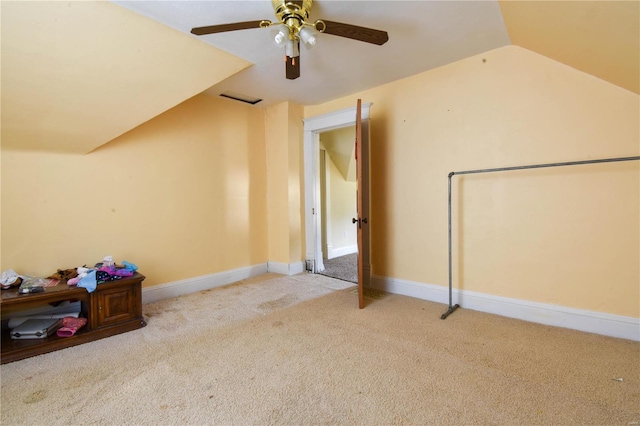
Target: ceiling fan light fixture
{"x": 308, "y": 36}
{"x": 281, "y": 35}
{"x": 293, "y": 27}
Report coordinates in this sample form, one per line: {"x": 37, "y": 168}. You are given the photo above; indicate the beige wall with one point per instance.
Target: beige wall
{"x": 283, "y": 133}
{"x": 182, "y": 195}
{"x": 296, "y": 182}
{"x": 343, "y": 209}
{"x": 277, "y": 157}
{"x": 565, "y": 236}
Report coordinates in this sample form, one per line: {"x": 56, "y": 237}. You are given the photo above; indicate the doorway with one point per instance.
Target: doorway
{"x": 338, "y": 204}
{"x": 313, "y": 128}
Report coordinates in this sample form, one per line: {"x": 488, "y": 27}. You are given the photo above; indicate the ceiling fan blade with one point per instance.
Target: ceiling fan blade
{"x": 212, "y": 29}
{"x": 292, "y": 67}
{"x": 368, "y": 35}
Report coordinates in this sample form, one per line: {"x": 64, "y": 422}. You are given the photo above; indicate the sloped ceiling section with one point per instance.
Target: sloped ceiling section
{"x": 601, "y": 38}
{"x": 76, "y": 75}
{"x": 340, "y": 145}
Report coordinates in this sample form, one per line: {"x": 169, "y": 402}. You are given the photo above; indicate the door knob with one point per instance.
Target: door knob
{"x": 354, "y": 220}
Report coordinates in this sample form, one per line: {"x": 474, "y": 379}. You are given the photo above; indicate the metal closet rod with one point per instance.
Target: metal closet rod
{"x": 506, "y": 169}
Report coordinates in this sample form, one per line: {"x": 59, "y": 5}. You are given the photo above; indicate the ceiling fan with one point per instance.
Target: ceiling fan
{"x": 292, "y": 27}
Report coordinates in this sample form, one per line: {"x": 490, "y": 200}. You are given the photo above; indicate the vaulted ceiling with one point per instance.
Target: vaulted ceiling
{"x": 75, "y": 75}
{"x": 601, "y": 38}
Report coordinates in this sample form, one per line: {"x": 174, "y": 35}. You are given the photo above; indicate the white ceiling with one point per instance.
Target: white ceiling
{"x": 422, "y": 35}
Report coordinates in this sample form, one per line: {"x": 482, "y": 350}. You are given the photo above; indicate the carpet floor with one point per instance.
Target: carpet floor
{"x": 343, "y": 268}
{"x": 277, "y": 350}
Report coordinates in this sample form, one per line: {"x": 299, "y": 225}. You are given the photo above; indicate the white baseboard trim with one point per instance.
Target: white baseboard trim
{"x": 286, "y": 268}
{"x": 560, "y": 316}
{"x": 205, "y": 282}
{"x": 341, "y": 251}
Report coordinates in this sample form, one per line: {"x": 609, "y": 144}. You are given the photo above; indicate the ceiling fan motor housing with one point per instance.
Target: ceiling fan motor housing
{"x": 292, "y": 13}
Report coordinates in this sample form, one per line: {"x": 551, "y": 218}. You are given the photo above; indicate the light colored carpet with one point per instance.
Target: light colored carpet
{"x": 296, "y": 350}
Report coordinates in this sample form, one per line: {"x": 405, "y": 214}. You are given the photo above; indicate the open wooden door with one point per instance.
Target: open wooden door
{"x": 362, "y": 176}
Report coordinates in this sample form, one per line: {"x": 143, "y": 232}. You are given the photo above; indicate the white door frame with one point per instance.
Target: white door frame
{"x": 313, "y": 126}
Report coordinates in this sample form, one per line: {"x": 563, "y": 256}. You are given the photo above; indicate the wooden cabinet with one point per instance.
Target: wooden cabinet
{"x": 114, "y": 307}
{"x": 118, "y": 304}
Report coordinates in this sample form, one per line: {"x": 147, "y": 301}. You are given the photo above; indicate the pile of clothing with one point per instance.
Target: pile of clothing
{"x": 104, "y": 271}
{"x": 88, "y": 278}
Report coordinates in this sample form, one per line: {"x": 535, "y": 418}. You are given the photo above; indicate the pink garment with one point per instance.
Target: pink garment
{"x": 73, "y": 281}
{"x": 108, "y": 269}
{"x": 70, "y": 325}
